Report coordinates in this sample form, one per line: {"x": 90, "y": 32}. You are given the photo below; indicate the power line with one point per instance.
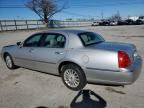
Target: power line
{"x": 13, "y": 7}
{"x": 75, "y": 14}
{"x": 105, "y": 2}
{"x": 82, "y": 6}
{"x": 106, "y": 5}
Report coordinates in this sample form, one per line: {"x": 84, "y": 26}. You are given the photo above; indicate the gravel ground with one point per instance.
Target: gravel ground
{"x": 24, "y": 88}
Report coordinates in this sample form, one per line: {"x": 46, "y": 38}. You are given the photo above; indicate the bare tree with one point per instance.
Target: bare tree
{"x": 45, "y": 9}
{"x": 116, "y": 17}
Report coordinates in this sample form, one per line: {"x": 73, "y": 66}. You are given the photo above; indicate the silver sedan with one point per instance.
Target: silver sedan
{"x": 79, "y": 57}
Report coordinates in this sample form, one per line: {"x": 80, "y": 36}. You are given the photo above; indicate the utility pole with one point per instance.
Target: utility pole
{"x": 118, "y": 14}
{"x": 102, "y": 14}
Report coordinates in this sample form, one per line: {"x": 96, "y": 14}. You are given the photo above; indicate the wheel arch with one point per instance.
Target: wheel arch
{"x": 4, "y": 54}
{"x": 67, "y": 62}
{"x": 80, "y": 72}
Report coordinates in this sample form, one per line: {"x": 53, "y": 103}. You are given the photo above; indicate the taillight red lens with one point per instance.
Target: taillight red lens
{"x": 123, "y": 59}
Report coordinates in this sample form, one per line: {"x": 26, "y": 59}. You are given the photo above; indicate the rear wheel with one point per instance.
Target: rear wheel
{"x": 73, "y": 77}
{"x": 9, "y": 61}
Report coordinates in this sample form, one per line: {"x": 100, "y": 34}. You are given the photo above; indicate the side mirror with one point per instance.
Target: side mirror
{"x": 19, "y": 44}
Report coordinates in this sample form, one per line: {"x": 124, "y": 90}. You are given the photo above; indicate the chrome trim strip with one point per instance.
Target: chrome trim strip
{"x": 102, "y": 69}
{"x": 34, "y": 60}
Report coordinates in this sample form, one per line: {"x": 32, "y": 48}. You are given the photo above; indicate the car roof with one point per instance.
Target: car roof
{"x": 70, "y": 31}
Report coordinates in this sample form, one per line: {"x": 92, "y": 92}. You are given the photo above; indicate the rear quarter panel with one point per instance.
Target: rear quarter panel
{"x": 94, "y": 58}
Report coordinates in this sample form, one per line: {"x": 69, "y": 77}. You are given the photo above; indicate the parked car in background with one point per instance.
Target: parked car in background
{"x": 104, "y": 23}
{"x": 121, "y": 22}
{"x": 129, "y": 22}
{"x": 113, "y": 23}
{"x": 141, "y": 18}
{"x": 95, "y": 24}
{"x": 78, "y": 56}
{"x": 139, "y": 22}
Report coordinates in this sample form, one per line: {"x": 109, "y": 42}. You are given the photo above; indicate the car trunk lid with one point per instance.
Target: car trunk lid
{"x": 130, "y": 49}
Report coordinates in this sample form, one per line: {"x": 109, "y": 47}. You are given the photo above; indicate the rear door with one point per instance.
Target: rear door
{"x": 51, "y": 50}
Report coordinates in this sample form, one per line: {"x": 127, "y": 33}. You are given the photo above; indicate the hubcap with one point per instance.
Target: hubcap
{"x": 71, "y": 78}
{"x": 8, "y": 62}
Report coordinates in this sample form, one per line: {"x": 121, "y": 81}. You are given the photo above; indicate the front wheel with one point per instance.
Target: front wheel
{"x": 73, "y": 77}
{"x": 9, "y": 62}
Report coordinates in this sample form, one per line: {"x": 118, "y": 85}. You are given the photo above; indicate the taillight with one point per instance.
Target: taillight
{"x": 123, "y": 59}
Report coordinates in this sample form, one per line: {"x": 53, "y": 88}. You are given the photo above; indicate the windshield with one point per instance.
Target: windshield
{"x": 89, "y": 38}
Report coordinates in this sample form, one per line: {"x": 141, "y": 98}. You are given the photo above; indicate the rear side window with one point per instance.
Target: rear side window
{"x": 54, "y": 41}
{"x": 89, "y": 38}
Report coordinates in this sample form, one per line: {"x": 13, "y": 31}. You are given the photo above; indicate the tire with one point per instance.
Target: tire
{"x": 73, "y": 77}
{"x": 9, "y": 62}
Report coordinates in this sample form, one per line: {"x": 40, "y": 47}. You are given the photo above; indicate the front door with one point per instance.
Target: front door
{"x": 24, "y": 55}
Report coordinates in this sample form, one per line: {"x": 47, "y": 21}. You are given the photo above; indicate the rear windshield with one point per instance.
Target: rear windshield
{"x": 89, "y": 38}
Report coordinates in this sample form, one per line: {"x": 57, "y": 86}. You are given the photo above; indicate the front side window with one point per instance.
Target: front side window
{"x": 54, "y": 41}
{"x": 33, "y": 41}
{"x": 89, "y": 38}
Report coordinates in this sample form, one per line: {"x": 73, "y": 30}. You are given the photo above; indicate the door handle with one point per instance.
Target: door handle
{"x": 59, "y": 53}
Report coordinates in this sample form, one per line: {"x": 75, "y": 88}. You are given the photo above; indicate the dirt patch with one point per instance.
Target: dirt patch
{"x": 11, "y": 77}
{"x": 62, "y": 107}
{"x": 110, "y": 89}
{"x": 131, "y": 36}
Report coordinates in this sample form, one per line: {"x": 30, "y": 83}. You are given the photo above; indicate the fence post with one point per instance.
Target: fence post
{"x": 26, "y": 24}
{"x": 15, "y": 24}
{"x": 5, "y": 25}
{"x": 37, "y": 25}
{"x": 1, "y": 26}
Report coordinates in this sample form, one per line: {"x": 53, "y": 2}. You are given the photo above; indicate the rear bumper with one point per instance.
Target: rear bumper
{"x": 122, "y": 77}
{"x": 135, "y": 69}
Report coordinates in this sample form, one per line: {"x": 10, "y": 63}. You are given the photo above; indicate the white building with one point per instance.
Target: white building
{"x": 134, "y": 18}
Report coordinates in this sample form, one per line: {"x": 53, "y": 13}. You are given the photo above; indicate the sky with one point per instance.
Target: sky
{"x": 75, "y": 9}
